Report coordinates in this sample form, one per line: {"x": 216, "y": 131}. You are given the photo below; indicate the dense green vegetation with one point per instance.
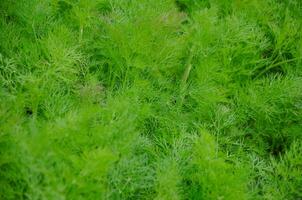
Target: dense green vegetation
{"x": 151, "y": 99}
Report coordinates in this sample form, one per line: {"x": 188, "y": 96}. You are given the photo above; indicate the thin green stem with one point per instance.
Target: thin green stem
{"x": 275, "y": 65}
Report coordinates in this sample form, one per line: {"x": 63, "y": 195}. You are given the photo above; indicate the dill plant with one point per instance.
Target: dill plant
{"x": 150, "y": 99}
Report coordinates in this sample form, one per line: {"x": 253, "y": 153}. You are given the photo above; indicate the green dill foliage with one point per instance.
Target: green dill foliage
{"x": 151, "y": 99}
